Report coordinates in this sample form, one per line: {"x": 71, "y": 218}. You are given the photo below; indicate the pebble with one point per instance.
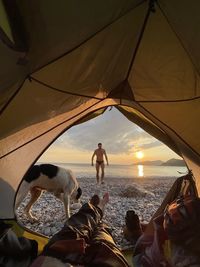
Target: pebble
{"x": 47, "y": 231}
{"x": 144, "y": 196}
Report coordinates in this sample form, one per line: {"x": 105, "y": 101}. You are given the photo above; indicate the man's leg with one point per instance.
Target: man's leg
{"x": 80, "y": 225}
{"x": 103, "y": 250}
{"x": 83, "y": 223}
{"x": 97, "y": 170}
{"x": 102, "y": 172}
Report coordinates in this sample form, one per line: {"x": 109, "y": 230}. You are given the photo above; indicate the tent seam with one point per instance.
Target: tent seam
{"x": 49, "y": 130}
{"x": 169, "y": 101}
{"x": 53, "y": 60}
{"x": 89, "y": 38}
{"x": 149, "y": 10}
{"x": 12, "y": 97}
{"x": 176, "y": 34}
{"x": 171, "y": 130}
{"x": 63, "y": 91}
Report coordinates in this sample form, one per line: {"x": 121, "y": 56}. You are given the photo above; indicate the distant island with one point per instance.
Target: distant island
{"x": 170, "y": 162}
{"x": 174, "y": 162}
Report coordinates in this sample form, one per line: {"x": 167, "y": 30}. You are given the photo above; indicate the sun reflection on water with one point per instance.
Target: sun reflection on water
{"x": 140, "y": 170}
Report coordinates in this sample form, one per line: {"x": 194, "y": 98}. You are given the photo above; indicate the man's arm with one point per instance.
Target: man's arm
{"x": 106, "y": 157}
{"x": 93, "y": 157}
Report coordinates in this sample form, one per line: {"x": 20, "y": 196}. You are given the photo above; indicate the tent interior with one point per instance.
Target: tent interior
{"x": 61, "y": 65}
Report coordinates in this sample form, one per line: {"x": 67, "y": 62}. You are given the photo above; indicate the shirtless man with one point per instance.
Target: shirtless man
{"x": 99, "y": 152}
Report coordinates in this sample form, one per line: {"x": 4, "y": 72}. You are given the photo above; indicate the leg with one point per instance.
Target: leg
{"x": 103, "y": 251}
{"x": 84, "y": 222}
{"x": 35, "y": 194}
{"x": 66, "y": 199}
{"x": 102, "y": 172}
{"x": 97, "y": 174}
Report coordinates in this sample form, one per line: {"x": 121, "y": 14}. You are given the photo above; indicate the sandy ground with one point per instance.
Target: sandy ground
{"x": 144, "y": 195}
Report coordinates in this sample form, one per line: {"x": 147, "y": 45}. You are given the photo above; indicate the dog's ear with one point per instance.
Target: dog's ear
{"x": 79, "y": 193}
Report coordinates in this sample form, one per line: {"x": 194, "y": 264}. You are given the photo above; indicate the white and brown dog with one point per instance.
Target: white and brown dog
{"x": 47, "y": 177}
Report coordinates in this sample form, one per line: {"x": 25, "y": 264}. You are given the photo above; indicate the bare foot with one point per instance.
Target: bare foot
{"x": 104, "y": 201}
{"x": 95, "y": 200}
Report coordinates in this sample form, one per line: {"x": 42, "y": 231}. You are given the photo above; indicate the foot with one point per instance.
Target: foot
{"x": 104, "y": 201}
{"x": 95, "y": 200}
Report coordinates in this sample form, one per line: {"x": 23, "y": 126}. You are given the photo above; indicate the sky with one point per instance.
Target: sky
{"x": 121, "y": 139}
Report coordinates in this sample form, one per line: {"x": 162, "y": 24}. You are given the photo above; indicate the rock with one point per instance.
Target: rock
{"x": 131, "y": 191}
{"x": 54, "y": 230}
{"x": 47, "y": 231}
{"x": 59, "y": 225}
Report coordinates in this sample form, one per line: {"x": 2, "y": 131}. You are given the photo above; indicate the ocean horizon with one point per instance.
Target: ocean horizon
{"x": 85, "y": 170}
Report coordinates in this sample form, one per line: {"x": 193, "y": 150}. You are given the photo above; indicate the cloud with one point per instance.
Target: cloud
{"x": 113, "y": 130}
{"x": 151, "y": 145}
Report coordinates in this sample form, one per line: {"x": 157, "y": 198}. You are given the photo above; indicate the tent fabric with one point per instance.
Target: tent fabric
{"x": 178, "y": 78}
{"x": 81, "y": 57}
{"x": 5, "y": 28}
{"x": 21, "y": 232}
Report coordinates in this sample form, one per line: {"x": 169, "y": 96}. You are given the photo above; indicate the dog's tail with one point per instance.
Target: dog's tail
{"x": 79, "y": 193}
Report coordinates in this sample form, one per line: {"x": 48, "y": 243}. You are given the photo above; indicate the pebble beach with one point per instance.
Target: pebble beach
{"x": 144, "y": 195}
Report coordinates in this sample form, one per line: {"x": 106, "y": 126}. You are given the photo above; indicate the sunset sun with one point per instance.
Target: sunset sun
{"x": 139, "y": 154}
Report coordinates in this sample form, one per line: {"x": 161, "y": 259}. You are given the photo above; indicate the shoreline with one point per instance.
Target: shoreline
{"x": 144, "y": 195}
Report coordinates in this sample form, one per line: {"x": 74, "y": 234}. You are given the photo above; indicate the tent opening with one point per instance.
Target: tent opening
{"x": 141, "y": 171}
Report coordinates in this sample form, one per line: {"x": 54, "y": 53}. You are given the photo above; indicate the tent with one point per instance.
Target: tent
{"x": 63, "y": 62}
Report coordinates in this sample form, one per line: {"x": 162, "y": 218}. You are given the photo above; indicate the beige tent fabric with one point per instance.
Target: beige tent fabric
{"x": 195, "y": 170}
{"x": 4, "y": 23}
{"x": 184, "y": 20}
{"x": 162, "y": 69}
{"x": 11, "y": 74}
{"x": 57, "y": 28}
{"x": 35, "y": 103}
{"x": 91, "y": 70}
{"x": 100, "y": 64}
{"x": 83, "y": 59}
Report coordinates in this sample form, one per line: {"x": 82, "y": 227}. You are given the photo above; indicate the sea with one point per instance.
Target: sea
{"x": 125, "y": 171}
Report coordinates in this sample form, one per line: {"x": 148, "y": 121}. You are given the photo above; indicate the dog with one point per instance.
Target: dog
{"x": 47, "y": 177}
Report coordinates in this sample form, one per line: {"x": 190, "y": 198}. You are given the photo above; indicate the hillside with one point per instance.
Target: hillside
{"x": 174, "y": 162}
{"x": 170, "y": 162}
